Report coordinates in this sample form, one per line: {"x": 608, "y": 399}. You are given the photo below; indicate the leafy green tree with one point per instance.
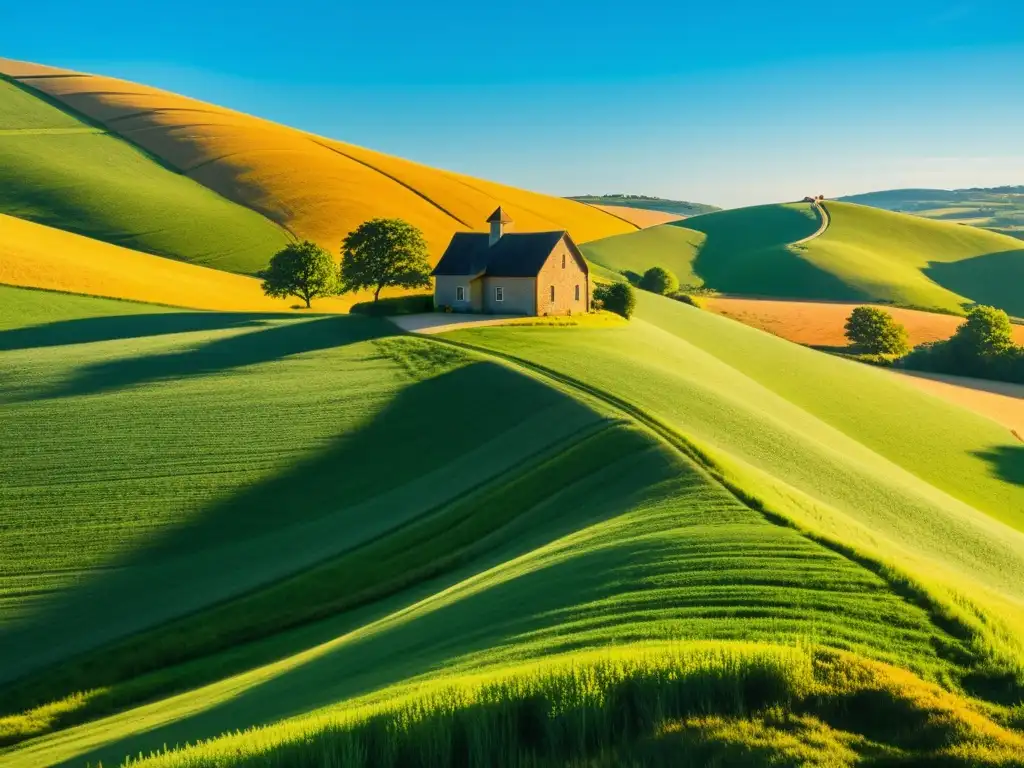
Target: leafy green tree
{"x": 659, "y": 280}
{"x": 301, "y": 269}
{"x": 986, "y": 334}
{"x": 619, "y": 298}
{"x": 874, "y": 330}
{"x": 384, "y": 252}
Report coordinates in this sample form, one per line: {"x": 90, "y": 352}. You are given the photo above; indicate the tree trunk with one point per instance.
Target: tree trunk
{"x": 376, "y": 294}
{"x": 307, "y": 298}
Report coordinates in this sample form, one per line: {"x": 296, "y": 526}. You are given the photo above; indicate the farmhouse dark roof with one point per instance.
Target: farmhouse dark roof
{"x": 500, "y": 215}
{"x": 514, "y": 255}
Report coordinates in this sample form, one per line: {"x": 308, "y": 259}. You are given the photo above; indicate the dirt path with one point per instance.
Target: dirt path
{"x": 823, "y": 217}
{"x": 999, "y": 401}
{"x": 439, "y": 322}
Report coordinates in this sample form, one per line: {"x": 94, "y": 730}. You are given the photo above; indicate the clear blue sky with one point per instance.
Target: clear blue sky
{"x": 728, "y": 102}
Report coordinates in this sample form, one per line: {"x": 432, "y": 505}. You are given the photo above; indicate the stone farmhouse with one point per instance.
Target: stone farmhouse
{"x": 508, "y": 273}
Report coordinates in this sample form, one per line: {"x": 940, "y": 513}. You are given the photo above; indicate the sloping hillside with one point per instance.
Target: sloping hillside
{"x": 60, "y": 171}
{"x": 865, "y": 254}
{"x": 355, "y": 537}
{"x": 34, "y": 256}
{"x": 1000, "y": 209}
{"x": 315, "y": 187}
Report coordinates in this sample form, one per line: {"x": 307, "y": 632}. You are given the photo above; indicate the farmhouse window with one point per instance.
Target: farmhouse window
{"x": 563, "y": 261}
{"x": 460, "y": 293}
{"x": 552, "y": 293}
{"x": 499, "y": 293}
{"x": 577, "y": 293}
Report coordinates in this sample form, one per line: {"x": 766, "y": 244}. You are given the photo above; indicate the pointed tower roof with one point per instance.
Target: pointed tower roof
{"x": 499, "y": 215}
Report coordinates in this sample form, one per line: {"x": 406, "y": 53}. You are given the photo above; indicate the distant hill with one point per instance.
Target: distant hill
{"x": 997, "y": 208}
{"x": 865, "y": 254}
{"x": 677, "y": 207}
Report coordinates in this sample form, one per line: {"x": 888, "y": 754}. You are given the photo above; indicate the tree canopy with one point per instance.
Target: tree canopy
{"x": 301, "y": 269}
{"x": 659, "y": 280}
{"x": 384, "y": 252}
{"x": 619, "y": 298}
{"x": 875, "y": 331}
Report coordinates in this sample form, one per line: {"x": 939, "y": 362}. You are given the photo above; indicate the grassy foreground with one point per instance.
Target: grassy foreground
{"x": 635, "y": 543}
{"x": 62, "y": 172}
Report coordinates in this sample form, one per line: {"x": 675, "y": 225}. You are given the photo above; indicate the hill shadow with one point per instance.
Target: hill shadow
{"x": 411, "y": 646}
{"x": 750, "y": 254}
{"x": 996, "y": 279}
{"x": 259, "y": 346}
{"x": 1006, "y": 461}
{"x": 409, "y": 458}
{"x": 87, "y": 330}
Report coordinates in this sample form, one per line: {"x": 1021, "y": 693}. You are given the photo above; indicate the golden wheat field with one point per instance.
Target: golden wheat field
{"x": 35, "y": 256}
{"x": 317, "y": 188}
{"x": 641, "y": 217}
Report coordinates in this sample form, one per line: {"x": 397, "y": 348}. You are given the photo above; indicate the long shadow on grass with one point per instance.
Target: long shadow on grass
{"x": 278, "y": 341}
{"x": 86, "y": 330}
{"x": 621, "y": 587}
{"x": 1007, "y": 462}
{"x": 414, "y": 455}
{"x": 994, "y": 278}
{"x": 749, "y": 253}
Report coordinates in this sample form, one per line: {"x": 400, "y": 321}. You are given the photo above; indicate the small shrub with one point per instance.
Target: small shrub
{"x": 659, "y": 280}
{"x": 874, "y": 331}
{"x": 982, "y": 347}
{"x": 619, "y": 298}
{"x": 401, "y": 305}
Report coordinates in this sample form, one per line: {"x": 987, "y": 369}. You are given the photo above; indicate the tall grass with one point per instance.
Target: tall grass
{"x": 609, "y": 706}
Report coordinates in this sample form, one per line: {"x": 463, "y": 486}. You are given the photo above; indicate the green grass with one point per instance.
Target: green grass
{"x": 916, "y": 262}
{"x": 999, "y": 209}
{"x": 22, "y": 307}
{"x": 663, "y": 529}
{"x": 844, "y": 450}
{"x": 866, "y": 254}
{"x": 189, "y": 467}
{"x": 653, "y": 705}
{"x": 64, "y": 173}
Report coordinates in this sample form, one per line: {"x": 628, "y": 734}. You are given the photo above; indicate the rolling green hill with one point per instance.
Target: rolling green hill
{"x": 1000, "y": 209}
{"x": 60, "y": 171}
{"x": 679, "y": 538}
{"x": 865, "y": 254}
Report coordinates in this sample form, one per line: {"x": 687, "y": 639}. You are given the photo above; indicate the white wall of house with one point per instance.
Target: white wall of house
{"x": 518, "y": 295}
{"x": 446, "y": 292}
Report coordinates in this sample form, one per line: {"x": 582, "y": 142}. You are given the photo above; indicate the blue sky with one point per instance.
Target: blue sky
{"x": 731, "y": 103}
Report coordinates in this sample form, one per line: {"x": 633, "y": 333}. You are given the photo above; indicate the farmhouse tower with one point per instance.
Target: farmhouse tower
{"x": 499, "y": 220}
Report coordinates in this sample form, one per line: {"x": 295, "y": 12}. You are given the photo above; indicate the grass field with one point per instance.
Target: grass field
{"x": 36, "y": 256}
{"x": 306, "y": 526}
{"x": 1000, "y": 209}
{"x": 316, "y": 188}
{"x": 59, "y": 171}
{"x": 865, "y": 255}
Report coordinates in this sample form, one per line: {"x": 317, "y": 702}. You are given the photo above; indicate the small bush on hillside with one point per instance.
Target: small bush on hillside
{"x": 874, "y": 331}
{"x": 619, "y": 298}
{"x": 659, "y": 280}
{"x": 401, "y": 305}
{"x": 982, "y": 347}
